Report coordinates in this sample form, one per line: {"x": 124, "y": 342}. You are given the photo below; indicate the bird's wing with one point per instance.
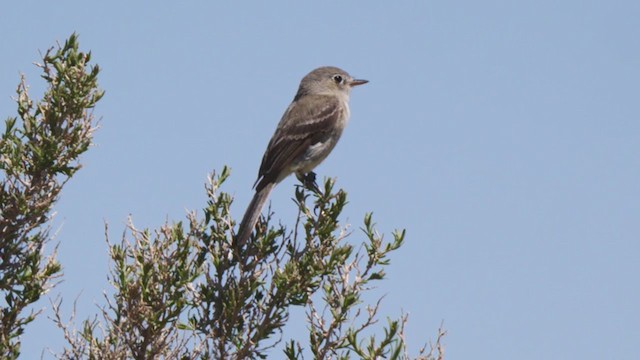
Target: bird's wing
{"x": 306, "y": 122}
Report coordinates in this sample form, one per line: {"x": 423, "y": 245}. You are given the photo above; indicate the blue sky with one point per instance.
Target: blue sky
{"x": 504, "y": 136}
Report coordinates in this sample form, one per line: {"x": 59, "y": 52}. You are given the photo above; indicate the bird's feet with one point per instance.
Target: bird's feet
{"x": 308, "y": 180}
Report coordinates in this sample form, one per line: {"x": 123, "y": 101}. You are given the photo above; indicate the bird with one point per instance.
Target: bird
{"x": 307, "y": 132}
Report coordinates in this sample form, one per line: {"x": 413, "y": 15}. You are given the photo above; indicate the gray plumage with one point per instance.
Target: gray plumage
{"x": 309, "y": 129}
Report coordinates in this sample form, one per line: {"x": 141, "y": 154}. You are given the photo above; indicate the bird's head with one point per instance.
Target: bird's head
{"x": 328, "y": 80}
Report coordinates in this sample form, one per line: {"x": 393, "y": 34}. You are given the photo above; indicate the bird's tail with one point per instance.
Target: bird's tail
{"x": 252, "y": 214}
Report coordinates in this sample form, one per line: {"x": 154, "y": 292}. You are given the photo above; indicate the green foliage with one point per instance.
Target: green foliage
{"x": 194, "y": 293}
{"x": 186, "y": 290}
{"x": 39, "y": 152}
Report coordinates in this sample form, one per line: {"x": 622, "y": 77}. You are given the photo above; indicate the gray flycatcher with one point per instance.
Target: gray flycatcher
{"x": 308, "y": 131}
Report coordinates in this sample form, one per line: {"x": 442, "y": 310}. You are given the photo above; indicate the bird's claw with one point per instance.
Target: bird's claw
{"x": 308, "y": 180}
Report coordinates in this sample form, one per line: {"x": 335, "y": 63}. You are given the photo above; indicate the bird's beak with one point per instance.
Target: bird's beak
{"x": 356, "y": 82}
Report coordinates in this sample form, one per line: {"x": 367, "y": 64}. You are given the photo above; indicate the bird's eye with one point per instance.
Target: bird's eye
{"x": 337, "y": 78}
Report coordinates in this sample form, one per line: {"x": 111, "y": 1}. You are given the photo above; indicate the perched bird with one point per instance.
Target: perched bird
{"x": 306, "y": 134}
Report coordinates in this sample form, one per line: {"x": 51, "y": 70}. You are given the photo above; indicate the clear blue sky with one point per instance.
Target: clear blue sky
{"x": 504, "y": 136}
